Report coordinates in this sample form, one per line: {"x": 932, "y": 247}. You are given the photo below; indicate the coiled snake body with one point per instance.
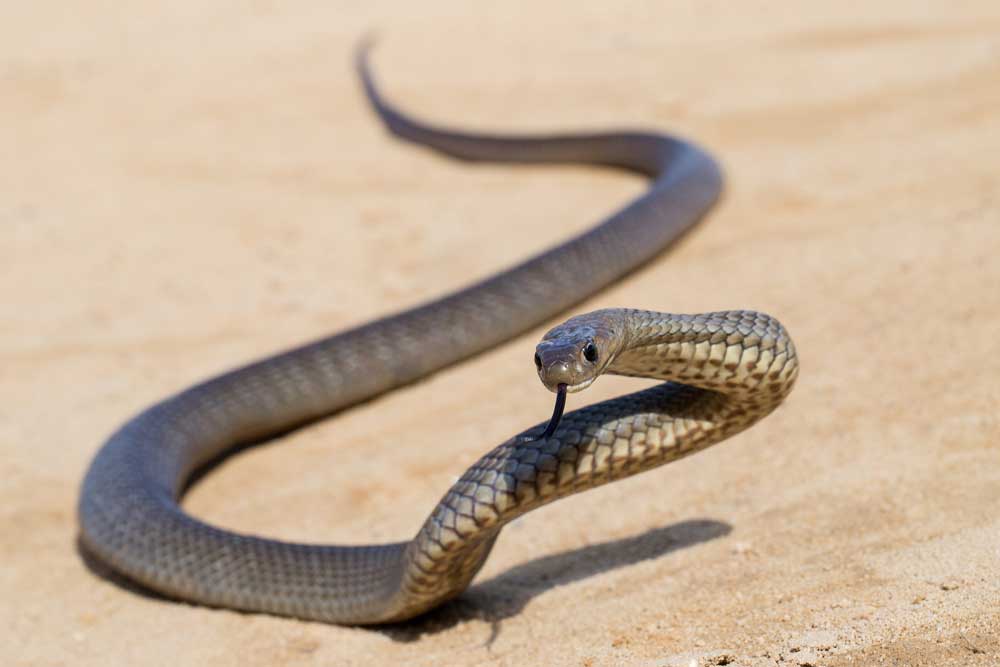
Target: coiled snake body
{"x": 724, "y": 371}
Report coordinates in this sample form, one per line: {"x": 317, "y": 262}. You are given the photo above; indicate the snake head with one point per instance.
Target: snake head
{"x": 577, "y": 351}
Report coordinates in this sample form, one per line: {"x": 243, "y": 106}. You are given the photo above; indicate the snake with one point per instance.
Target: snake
{"x": 720, "y": 372}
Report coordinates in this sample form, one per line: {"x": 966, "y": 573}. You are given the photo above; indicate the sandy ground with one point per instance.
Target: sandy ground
{"x": 185, "y": 188}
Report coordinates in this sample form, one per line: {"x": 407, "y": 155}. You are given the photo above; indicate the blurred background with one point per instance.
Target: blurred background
{"x": 190, "y": 185}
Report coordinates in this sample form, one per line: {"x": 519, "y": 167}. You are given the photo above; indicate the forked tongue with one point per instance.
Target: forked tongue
{"x": 557, "y": 412}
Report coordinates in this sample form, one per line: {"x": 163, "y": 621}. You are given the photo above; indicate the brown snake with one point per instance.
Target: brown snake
{"x": 723, "y": 370}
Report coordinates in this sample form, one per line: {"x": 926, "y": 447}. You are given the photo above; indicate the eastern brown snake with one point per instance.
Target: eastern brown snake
{"x": 723, "y": 371}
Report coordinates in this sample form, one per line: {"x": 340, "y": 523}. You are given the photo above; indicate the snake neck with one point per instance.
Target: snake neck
{"x": 747, "y": 356}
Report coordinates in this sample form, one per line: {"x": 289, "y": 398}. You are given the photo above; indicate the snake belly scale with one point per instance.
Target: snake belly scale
{"x": 723, "y": 371}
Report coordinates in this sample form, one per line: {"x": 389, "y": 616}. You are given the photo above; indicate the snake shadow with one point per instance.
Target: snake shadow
{"x": 507, "y": 594}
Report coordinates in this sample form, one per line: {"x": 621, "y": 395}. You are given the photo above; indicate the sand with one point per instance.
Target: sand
{"x": 186, "y": 188}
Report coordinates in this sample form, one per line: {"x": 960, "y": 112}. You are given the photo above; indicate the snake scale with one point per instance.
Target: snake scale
{"x": 723, "y": 372}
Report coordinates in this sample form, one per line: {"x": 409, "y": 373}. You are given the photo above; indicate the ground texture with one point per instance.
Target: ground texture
{"x": 186, "y": 188}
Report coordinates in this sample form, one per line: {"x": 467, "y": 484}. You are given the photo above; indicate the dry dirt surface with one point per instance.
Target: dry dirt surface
{"x": 190, "y": 185}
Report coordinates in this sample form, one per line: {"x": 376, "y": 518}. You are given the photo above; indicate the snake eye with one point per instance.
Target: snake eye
{"x": 538, "y": 361}
{"x": 590, "y": 352}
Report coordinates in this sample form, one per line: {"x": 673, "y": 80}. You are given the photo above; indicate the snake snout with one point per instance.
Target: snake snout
{"x": 558, "y": 364}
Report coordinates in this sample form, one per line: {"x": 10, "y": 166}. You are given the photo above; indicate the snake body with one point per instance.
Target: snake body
{"x": 723, "y": 370}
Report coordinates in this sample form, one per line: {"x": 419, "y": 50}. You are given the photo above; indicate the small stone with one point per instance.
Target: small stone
{"x": 807, "y": 658}
{"x": 711, "y": 658}
{"x": 821, "y": 640}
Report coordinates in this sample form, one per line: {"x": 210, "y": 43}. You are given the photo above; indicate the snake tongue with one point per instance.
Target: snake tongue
{"x": 557, "y": 412}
